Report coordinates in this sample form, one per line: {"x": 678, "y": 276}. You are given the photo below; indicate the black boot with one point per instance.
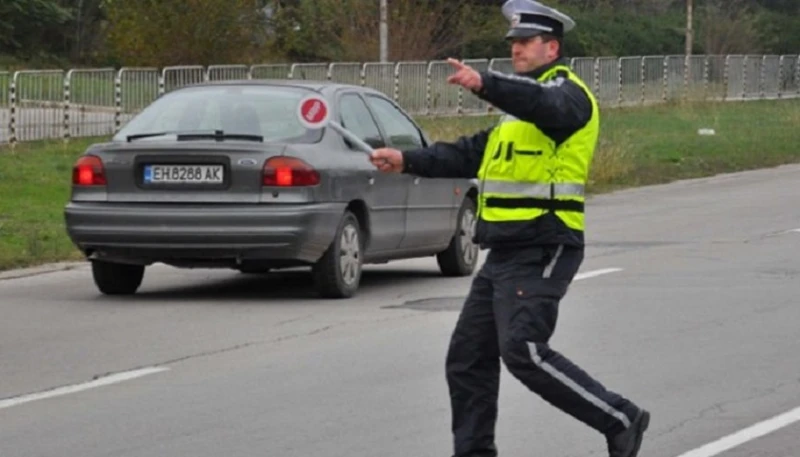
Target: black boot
{"x": 627, "y": 442}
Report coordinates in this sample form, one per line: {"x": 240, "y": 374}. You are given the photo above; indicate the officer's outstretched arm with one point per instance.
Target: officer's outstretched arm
{"x": 460, "y": 159}
{"x": 559, "y": 103}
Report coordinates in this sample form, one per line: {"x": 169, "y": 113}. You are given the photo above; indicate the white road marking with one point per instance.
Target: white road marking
{"x": 748, "y": 434}
{"x": 797, "y": 230}
{"x": 593, "y": 273}
{"x": 104, "y": 381}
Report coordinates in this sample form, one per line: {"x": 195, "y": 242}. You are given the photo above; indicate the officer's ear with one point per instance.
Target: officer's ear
{"x": 555, "y": 43}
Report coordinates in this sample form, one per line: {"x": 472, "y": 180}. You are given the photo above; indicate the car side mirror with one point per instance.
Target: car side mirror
{"x": 406, "y": 142}
{"x": 375, "y": 142}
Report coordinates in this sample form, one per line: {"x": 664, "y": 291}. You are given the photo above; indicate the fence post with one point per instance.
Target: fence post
{"x": 66, "y": 107}
{"x": 619, "y": 82}
{"x": 642, "y": 69}
{"x": 687, "y": 68}
{"x": 428, "y": 94}
{"x": 397, "y": 82}
{"x": 460, "y": 102}
{"x": 118, "y": 100}
{"x": 744, "y": 77}
{"x": 725, "y": 77}
{"x": 161, "y": 82}
{"x": 12, "y": 121}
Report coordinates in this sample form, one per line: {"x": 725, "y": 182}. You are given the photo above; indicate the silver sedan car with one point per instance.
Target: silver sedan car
{"x": 225, "y": 175}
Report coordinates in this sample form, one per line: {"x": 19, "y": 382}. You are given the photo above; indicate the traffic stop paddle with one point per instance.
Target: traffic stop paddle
{"x": 313, "y": 112}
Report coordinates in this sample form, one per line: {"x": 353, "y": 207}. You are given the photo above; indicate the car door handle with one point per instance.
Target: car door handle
{"x": 416, "y": 181}
{"x": 371, "y": 181}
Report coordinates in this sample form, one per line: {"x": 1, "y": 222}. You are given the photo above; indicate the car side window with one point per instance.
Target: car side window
{"x": 356, "y": 118}
{"x": 402, "y": 132}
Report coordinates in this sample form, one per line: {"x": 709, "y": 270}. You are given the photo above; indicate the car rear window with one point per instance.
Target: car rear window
{"x": 269, "y": 111}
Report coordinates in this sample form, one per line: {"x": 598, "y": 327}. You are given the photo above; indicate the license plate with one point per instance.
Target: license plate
{"x": 183, "y": 174}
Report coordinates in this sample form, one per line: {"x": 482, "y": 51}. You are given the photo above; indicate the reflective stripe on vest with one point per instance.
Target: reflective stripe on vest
{"x": 535, "y": 190}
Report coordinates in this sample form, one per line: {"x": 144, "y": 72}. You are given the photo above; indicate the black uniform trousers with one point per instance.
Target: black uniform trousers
{"x": 510, "y": 315}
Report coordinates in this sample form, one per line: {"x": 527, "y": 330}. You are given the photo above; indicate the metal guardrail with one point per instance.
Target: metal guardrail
{"x": 49, "y": 104}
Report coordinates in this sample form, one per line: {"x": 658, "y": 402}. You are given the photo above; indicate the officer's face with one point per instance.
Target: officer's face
{"x": 527, "y": 54}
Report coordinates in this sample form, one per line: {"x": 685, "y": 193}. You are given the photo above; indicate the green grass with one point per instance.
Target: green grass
{"x": 660, "y": 143}
{"x": 638, "y": 146}
{"x": 34, "y": 186}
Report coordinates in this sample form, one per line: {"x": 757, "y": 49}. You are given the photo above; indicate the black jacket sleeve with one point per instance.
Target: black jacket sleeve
{"x": 461, "y": 159}
{"x": 556, "y": 104}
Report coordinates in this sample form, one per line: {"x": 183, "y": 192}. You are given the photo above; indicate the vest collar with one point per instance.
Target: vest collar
{"x": 537, "y": 73}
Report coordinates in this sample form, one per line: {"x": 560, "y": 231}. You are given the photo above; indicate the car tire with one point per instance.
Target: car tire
{"x": 461, "y": 256}
{"x": 117, "y": 278}
{"x": 337, "y": 274}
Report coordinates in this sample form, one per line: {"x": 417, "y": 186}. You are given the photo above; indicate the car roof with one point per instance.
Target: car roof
{"x": 315, "y": 85}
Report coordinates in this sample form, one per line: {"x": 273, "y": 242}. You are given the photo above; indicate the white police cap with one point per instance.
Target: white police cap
{"x": 529, "y": 18}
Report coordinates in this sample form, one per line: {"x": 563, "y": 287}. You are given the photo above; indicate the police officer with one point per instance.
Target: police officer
{"x": 532, "y": 168}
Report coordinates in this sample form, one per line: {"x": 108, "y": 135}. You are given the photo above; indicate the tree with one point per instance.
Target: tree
{"x": 348, "y": 30}
{"x": 185, "y": 32}
{"x": 30, "y": 27}
{"x": 728, "y": 27}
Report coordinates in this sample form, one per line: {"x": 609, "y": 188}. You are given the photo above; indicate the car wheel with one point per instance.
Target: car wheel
{"x": 117, "y": 278}
{"x": 338, "y": 273}
{"x": 461, "y": 255}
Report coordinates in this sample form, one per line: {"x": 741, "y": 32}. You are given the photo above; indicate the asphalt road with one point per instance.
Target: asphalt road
{"x": 687, "y": 304}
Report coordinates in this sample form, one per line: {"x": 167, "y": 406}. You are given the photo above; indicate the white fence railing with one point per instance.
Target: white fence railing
{"x": 49, "y": 104}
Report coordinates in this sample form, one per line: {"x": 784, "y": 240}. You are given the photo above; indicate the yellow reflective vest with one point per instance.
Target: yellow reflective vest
{"x": 525, "y": 176}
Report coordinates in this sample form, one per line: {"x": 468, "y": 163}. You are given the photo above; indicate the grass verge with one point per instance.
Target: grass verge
{"x": 638, "y": 146}
{"x": 660, "y": 143}
{"x": 34, "y": 187}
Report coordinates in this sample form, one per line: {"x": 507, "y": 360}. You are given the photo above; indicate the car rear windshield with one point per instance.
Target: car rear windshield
{"x": 268, "y": 111}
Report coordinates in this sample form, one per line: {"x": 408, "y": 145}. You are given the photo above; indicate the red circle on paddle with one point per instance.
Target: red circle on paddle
{"x": 313, "y": 112}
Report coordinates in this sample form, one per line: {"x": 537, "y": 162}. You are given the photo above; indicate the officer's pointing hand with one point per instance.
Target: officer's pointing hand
{"x": 387, "y": 160}
{"x": 464, "y": 76}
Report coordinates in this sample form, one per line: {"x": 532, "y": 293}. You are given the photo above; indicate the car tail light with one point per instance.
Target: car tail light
{"x": 289, "y": 172}
{"x": 89, "y": 171}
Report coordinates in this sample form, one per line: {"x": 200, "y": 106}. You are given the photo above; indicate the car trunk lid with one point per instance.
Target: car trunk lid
{"x": 187, "y": 172}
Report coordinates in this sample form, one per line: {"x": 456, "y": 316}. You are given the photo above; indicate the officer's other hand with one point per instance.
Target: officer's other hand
{"x": 387, "y": 160}
{"x": 464, "y": 76}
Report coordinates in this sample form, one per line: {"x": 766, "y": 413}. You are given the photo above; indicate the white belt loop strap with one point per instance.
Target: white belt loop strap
{"x": 548, "y": 270}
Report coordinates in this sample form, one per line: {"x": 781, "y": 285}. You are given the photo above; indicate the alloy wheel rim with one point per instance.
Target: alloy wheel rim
{"x": 469, "y": 250}
{"x": 350, "y": 255}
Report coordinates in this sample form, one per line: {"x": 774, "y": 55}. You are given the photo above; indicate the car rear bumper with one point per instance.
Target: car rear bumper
{"x": 155, "y": 232}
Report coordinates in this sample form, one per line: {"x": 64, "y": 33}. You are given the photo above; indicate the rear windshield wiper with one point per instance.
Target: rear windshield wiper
{"x": 218, "y": 135}
{"x": 145, "y": 135}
